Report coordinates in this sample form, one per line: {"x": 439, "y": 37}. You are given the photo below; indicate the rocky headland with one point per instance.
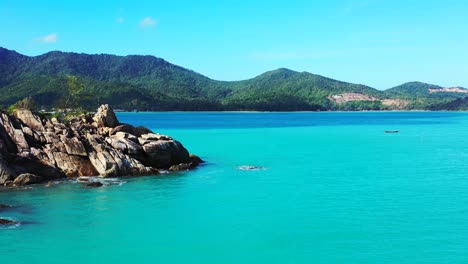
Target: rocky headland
{"x": 35, "y": 150}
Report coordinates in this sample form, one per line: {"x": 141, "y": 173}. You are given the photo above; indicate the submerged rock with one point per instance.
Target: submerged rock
{"x": 94, "y": 184}
{"x": 4, "y": 206}
{"x": 195, "y": 159}
{"x": 181, "y": 167}
{"x": 7, "y": 222}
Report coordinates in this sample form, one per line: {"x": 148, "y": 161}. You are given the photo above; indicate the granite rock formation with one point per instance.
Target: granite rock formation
{"x": 35, "y": 149}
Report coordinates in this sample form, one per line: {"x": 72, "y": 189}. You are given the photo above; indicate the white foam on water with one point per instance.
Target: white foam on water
{"x": 104, "y": 181}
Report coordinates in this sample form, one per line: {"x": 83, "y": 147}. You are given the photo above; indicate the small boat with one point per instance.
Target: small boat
{"x": 392, "y": 131}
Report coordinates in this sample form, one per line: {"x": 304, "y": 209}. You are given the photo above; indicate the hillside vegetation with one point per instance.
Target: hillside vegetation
{"x": 150, "y": 83}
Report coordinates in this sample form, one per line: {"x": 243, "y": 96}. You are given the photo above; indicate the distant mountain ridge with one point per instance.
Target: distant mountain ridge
{"x": 419, "y": 89}
{"x": 151, "y": 83}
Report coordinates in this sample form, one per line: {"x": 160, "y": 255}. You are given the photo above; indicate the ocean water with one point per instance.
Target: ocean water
{"x": 334, "y": 188}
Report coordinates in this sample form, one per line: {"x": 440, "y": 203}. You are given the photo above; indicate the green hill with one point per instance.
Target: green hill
{"x": 150, "y": 83}
{"x": 412, "y": 89}
{"x": 284, "y": 89}
{"x": 422, "y": 90}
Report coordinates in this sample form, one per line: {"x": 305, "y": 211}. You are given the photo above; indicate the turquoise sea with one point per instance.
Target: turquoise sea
{"x": 334, "y": 189}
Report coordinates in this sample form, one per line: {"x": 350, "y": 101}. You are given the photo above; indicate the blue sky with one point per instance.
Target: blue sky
{"x": 374, "y": 42}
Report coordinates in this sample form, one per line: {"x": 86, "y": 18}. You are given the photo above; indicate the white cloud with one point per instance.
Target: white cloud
{"x": 120, "y": 20}
{"x": 51, "y": 38}
{"x": 148, "y": 22}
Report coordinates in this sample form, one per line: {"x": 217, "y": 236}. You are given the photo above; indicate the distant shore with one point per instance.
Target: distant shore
{"x": 362, "y": 111}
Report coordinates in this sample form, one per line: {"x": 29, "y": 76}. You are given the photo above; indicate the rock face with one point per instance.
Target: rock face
{"x": 34, "y": 150}
{"x": 6, "y": 174}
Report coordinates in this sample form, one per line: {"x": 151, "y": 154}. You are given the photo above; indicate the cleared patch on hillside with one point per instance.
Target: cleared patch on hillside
{"x": 349, "y": 97}
{"x": 449, "y": 90}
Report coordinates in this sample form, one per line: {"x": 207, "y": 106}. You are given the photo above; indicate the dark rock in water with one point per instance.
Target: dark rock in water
{"x": 162, "y": 152}
{"x": 7, "y": 222}
{"x": 194, "y": 162}
{"x": 181, "y": 167}
{"x": 4, "y": 206}
{"x": 248, "y": 167}
{"x": 26, "y": 179}
{"x": 195, "y": 159}
{"x": 94, "y": 184}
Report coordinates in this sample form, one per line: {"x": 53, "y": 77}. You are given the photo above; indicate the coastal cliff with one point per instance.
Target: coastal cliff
{"x": 35, "y": 149}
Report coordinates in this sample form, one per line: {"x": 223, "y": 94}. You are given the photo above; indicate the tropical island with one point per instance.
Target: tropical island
{"x": 147, "y": 83}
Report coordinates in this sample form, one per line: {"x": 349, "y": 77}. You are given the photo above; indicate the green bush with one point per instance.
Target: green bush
{"x": 25, "y": 104}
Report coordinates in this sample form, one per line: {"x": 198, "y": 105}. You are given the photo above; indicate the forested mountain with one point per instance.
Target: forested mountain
{"x": 419, "y": 89}
{"x": 412, "y": 89}
{"x": 289, "y": 90}
{"x": 131, "y": 81}
{"x": 150, "y": 83}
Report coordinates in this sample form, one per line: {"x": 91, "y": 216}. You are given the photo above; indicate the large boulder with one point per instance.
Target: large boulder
{"x": 26, "y": 179}
{"x": 105, "y": 117}
{"x": 31, "y": 120}
{"x": 164, "y": 153}
{"x": 110, "y": 161}
{"x": 128, "y": 144}
{"x": 74, "y": 146}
